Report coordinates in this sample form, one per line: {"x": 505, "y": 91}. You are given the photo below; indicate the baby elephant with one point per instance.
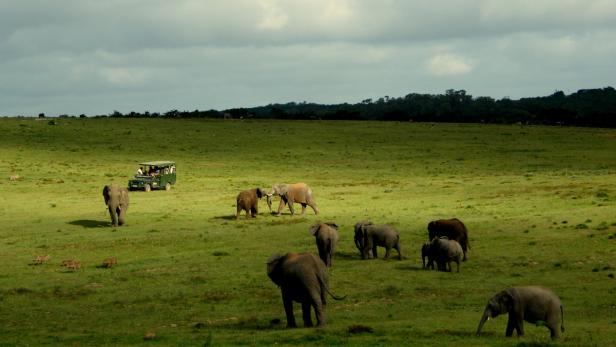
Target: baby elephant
{"x": 326, "y": 235}
{"x": 444, "y": 252}
{"x": 302, "y": 277}
{"x": 532, "y": 304}
{"x": 368, "y": 236}
{"x": 426, "y": 253}
{"x": 248, "y": 200}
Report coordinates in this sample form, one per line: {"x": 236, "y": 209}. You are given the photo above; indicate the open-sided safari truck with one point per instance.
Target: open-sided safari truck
{"x": 153, "y": 175}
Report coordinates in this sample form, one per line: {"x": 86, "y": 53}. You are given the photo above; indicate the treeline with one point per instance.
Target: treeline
{"x": 586, "y": 107}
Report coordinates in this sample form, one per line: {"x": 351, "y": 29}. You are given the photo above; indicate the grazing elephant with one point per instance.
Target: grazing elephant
{"x": 453, "y": 228}
{"x": 302, "y": 277}
{"x": 299, "y": 193}
{"x": 116, "y": 199}
{"x": 426, "y": 252}
{"x": 532, "y": 304}
{"x": 368, "y": 236}
{"x": 326, "y": 235}
{"x": 444, "y": 252}
{"x": 248, "y": 200}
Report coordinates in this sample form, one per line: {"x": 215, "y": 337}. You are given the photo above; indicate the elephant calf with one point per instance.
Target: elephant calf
{"x": 326, "y": 235}
{"x": 533, "y": 304}
{"x": 302, "y": 277}
{"x": 426, "y": 253}
{"x": 248, "y": 200}
{"x": 444, "y": 252}
{"x": 116, "y": 199}
{"x": 368, "y": 236}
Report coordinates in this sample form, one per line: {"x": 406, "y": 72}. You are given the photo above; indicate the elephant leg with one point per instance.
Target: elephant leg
{"x": 254, "y": 211}
{"x": 288, "y": 310}
{"x": 114, "y": 216}
{"x": 121, "y": 215}
{"x": 303, "y": 209}
{"x": 519, "y": 328}
{"x": 291, "y": 208}
{"x": 387, "y": 250}
{"x": 306, "y": 308}
{"x": 510, "y": 326}
{"x": 552, "y": 324}
{"x": 281, "y": 206}
{"x": 397, "y": 248}
{"x": 237, "y": 212}
{"x": 313, "y": 205}
{"x": 374, "y": 254}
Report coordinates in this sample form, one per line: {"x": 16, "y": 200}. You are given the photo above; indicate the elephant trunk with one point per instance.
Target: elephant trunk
{"x": 360, "y": 247}
{"x": 269, "y": 201}
{"x": 114, "y": 216}
{"x": 484, "y": 318}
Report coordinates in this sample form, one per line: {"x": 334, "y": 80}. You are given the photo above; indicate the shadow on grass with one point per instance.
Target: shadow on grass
{"x": 460, "y": 333}
{"x": 347, "y": 256}
{"x": 88, "y": 223}
{"x": 229, "y": 217}
{"x": 243, "y": 323}
{"x": 406, "y": 267}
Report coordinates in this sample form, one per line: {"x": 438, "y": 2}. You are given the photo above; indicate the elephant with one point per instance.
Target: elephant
{"x": 326, "y": 235}
{"x": 368, "y": 236}
{"x": 533, "y": 304}
{"x": 299, "y": 193}
{"x": 445, "y": 251}
{"x": 426, "y": 252}
{"x": 302, "y": 277}
{"x": 116, "y": 199}
{"x": 453, "y": 228}
{"x": 248, "y": 200}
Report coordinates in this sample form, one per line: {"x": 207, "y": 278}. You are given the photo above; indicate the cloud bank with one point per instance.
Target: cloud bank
{"x": 98, "y": 56}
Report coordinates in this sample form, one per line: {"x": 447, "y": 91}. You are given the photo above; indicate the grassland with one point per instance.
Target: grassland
{"x": 539, "y": 203}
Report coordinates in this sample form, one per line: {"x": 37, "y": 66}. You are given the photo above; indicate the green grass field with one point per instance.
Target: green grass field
{"x": 539, "y": 203}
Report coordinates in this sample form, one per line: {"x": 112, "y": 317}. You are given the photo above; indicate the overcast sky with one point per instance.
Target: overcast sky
{"x": 94, "y": 57}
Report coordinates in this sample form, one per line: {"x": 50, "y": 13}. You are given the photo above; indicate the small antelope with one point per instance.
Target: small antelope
{"x": 110, "y": 262}
{"x": 71, "y": 264}
{"x": 40, "y": 259}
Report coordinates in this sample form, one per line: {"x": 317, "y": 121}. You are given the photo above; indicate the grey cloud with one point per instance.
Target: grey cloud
{"x": 96, "y": 56}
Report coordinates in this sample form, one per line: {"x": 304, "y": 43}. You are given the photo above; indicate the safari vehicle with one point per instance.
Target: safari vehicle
{"x": 153, "y": 175}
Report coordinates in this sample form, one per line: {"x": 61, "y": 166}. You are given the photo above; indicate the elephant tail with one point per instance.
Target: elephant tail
{"x": 326, "y": 288}
{"x": 562, "y": 319}
{"x": 334, "y": 296}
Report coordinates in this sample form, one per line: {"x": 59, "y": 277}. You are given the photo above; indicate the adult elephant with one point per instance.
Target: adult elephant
{"x": 533, "y": 304}
{"x": 116, "y": 199}
{"x": 326, "y": 236}
{"x": 290, "y": 194}
{"x": 453, "y": 228}
{"x": 302, "y": 277}
{"x": 368, "y": 236}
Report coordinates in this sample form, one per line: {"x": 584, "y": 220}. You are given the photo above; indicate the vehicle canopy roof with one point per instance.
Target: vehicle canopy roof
{"x": 162, "y": 163}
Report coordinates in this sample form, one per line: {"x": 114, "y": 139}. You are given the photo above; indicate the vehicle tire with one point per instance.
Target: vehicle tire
{"x": 147, "y": 188}
{"x": 168, "y": 186}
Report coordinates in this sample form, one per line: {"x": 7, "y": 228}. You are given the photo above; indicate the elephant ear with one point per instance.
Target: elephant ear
{"x": 506, "y": 300}
{"x": 273, "y": 268}
{"x": 259, "y": 193}
{"x": 106, "y": 190}
{"x": 314, "y": 229}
